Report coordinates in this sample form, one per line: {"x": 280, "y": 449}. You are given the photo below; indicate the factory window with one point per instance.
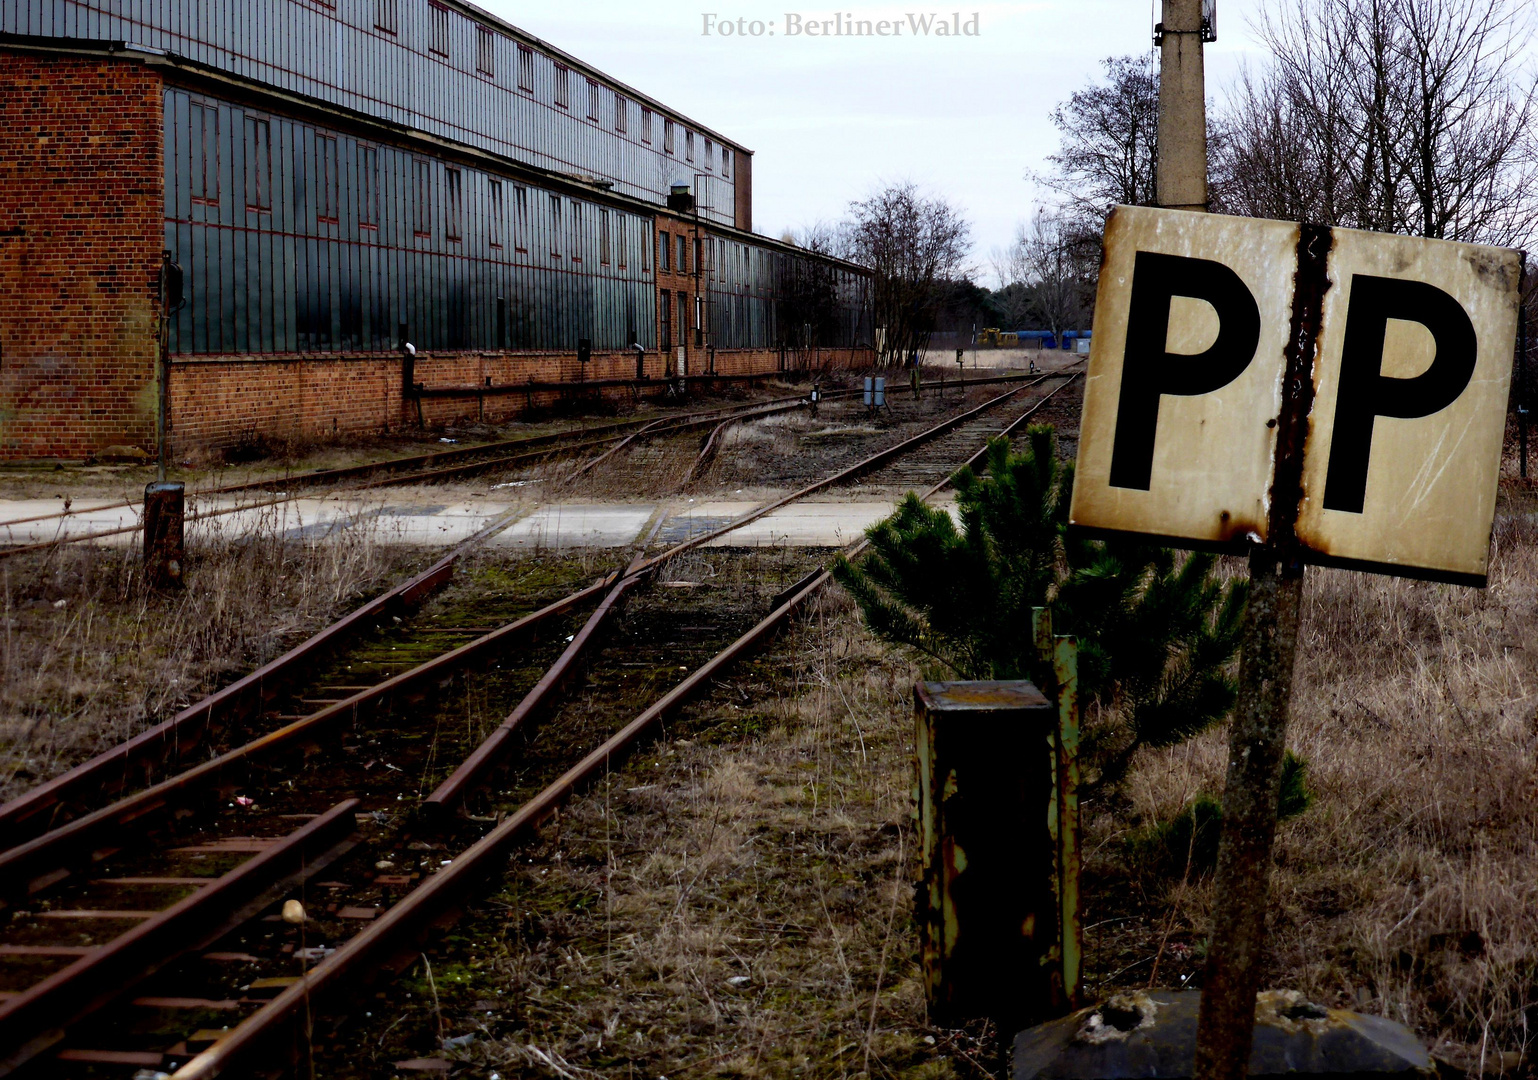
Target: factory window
{"x": 525, "y": 68}
{"x": 726, "y": 163}
{"x": 325, "y": 179}
{"x": 496, "y": 214}
{"x": 368, "y": 187}
{"x": 621, "y": 228}
{"x": 698, "y": 264}
{"x": 665, "y": 330}
{"x": 563, "y": 86}
{"x": 555, "y": 226}
{"x": 438, "y": 17}
{"x": 646, "y": 126}
{"x": 485, "y": 51}
{"x": 621, "y": 109}
{"x": 664, "y": 252}
{"x": 683, "y": 317}
{"x": 645, "y": 249}
{"x": 203, "y": 136}
{"x": 688, "y": 145}
{"x": 603, "y": 237}
{"x": 387, "y": 15}
{"x": 683, "y": 254}
{"x": 422, "y": 204}
{"x": 576, "y": 231}
{"x": 258, "y": 165}
{"x": 592, "y": 100}
{"x": 667, "y": 136}
{"x": 453, "y": 205}
{"x": 521, "y": 218}
{"x": 710, "y": 153}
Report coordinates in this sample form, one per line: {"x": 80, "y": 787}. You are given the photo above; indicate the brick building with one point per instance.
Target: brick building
{"x": 337, "y": 177}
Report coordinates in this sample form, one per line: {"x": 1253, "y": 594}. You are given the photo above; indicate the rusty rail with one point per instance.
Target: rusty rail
{"x": 34, "y": 1020}
{"x": 441, "y": 471}
{"x": 40, "y": 862}
{"x": 449, "y": 794}
{"x": 275, "y": 1031}
{"x": 169, "y": 741}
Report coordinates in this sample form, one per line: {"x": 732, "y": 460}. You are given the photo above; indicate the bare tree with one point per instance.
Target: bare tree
{"x": 1107, "y": 136}
{"x": 1409, "y": 116}
{"x": 1059, "y": 277}
{"x": 914, "y": 244}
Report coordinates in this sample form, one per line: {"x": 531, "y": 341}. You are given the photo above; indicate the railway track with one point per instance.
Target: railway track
{"x": 158, "y": 915}
{"x": 603, "y": 440}
{"x": 437, "y": 467}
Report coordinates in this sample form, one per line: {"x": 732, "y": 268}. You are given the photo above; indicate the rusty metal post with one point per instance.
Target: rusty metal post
{"x": 1065, "y": 666}
{"x": 1062, "y": 653}
{"x": 1257, "y": 738}
{"x": 1181, "y": 179}
{"x": 164, "y": 515}
{"x": 1522, "y": 366}
{"x": 987, "y": 913}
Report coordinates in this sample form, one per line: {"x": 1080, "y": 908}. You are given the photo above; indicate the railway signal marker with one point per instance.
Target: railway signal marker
{"x": 1404, "y": 415}
{"x": 1302, "y": 394}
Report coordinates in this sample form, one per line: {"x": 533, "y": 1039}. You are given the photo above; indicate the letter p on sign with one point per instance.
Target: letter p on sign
{"x": 1405, "y": 373}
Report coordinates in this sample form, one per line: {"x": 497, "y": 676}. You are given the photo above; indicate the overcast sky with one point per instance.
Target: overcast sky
{"x": 830, "y": 119}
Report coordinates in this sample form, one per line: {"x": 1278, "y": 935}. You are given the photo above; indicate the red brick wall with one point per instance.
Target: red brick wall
{"x": 81, "y": 213}
{"x": 216, "y": 402}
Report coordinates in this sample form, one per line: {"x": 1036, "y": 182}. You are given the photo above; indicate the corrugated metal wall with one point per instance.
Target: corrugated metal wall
{"x": 761, "y": 298}
{"x": 296, "y": 238}
{"x": 421, "y": 65}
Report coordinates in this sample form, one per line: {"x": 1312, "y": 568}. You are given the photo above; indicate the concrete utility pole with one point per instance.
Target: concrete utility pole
{"x": 1257, "y": 738}
{"x": 1181, "y": 179}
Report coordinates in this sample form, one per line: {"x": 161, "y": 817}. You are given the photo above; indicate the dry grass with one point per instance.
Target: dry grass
{"x": 1410, "y": 889}
{"x": 88, "y": 656}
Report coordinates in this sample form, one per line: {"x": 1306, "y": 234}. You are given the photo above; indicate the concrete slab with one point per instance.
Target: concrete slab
{"x": 687, "y": 522}
{"x": 808, "y": 525}
{"x": 566, "y": 526}
{"x": 430, "y": 523}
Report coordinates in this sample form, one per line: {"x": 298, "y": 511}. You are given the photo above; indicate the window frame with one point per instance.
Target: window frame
{"x": 438, "y": 34}
{"x": 485, "y": 51}
{"x": 327, "y": 183}
{"x": 207, "y": 150}
{"x": 562, "y": 86}
{"x": 496, "y": 220}
{"x": 525, "y": 68}
{"x": 520, "y": 218}
{"x": 422, "y": 198}
{"x": 368, "y": 186}
{"x": 258, "y": 131}
{"x": 453, "y": 204}
{"x": 387, "y": 16}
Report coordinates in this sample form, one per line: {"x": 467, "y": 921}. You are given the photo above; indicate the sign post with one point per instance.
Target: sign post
{"x": 1298, "y": 394}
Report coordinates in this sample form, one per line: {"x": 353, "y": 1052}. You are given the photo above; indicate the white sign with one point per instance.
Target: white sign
{"x": 1411, "y": 359}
